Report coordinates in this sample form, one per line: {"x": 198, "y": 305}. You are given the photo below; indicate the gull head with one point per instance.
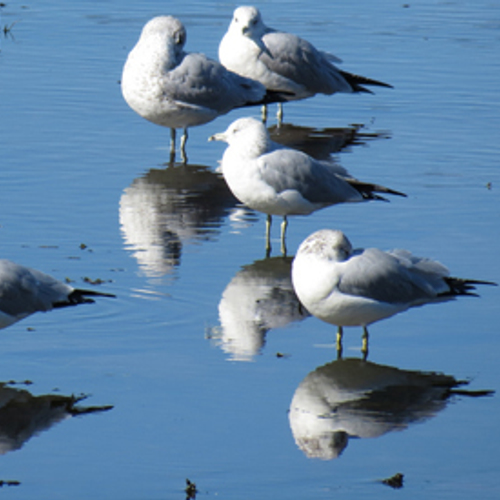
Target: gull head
{"x": 248, "y": 22}
{"x": 164, "y": 32}
{"x": 326, "y": 244}
{"x": 248, "y": 135}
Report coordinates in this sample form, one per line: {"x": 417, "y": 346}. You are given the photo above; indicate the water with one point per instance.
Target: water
{"x": 200, "y": 387}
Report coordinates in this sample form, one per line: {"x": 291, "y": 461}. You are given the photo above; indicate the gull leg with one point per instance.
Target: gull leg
{"x": 364, "y": 343}
{"x": 172, "y": 145}
{"x": 279, "y": 114}
{"x": 264, "y": 113}
{"x": 269, "y": 221}
{"x": 184, "y": 139}
{"x": 340, "y": 332}
{"x": 284, "y": 225}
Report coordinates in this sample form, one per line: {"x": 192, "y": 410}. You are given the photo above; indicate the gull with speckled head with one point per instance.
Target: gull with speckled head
{"x": 176, "y": 89}
{"x": 284, "y": 62}
{"x": 277, "y": 180}
{"x": 347, "y": 287}
{"x": 24, "y": 291}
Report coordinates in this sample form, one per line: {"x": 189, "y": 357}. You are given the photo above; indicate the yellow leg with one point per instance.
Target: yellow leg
{"x": 172, "y": 145}
{"x": 284, "y": 225}
{"x": 364, "y": 343}
{"x": 340, "y": 333}
{"x": 269, "y": 221}
{"x": 184, "y": 139}
{"x": 264, "y": 113}
{"x": 279, "y": 114}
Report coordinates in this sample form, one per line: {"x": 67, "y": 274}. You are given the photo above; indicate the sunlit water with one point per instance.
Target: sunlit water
{"x": 213, "y": 370}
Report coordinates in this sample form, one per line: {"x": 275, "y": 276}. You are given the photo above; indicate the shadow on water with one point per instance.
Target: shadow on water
{"x": 165, "y": 208}
{"x": 23, "y": 415}
{"x": 321, "y": 143}
{"x": 260, "y": 297}
{"x": 351, "y": 398}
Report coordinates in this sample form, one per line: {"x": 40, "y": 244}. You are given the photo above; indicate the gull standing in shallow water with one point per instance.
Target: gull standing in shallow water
{"x": 284, "y": 62}
{"x": 349, "y": 287}
{"x": 277, "y": 180}
{"x": 170, "y": 87}
{"x": 24, "y": 291}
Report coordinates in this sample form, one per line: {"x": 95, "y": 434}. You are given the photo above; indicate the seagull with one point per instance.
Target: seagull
{"x": 24, "y": 291}
{"x": 277, "y": 180}
{"x": 176, "y": 89}
{"x": 347, "y": 287}
{"x": 284, "y": 62}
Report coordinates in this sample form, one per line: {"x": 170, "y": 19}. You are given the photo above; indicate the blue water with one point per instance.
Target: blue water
{"x": 202, "y": 387}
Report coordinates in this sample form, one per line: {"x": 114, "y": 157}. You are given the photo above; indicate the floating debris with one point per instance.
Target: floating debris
{"x": 190, "y": 490}
{"x": 9, "y": 483}
{"x": 395, "y": 481}
{"x": 97, "y": 281}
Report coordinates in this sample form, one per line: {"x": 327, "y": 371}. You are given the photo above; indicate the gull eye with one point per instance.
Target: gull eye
{"x": 253, "y": 22}
{"x": 179, "y": 38}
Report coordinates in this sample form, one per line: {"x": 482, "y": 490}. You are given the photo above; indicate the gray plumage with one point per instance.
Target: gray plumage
{"x": 282, "y": 61}
{"x": 277, "y": 180}
{"x": 349, "y": 287}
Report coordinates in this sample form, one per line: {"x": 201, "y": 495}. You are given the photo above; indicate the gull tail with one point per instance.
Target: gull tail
{"x": 460, "y": 286}
{"x": 357, "y": 81}
{"x": 369, "y": 191}
{"x": 79, "y": 296}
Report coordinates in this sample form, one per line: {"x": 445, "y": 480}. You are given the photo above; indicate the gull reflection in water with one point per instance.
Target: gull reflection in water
{"x": 167, "y": 207}
{"x": 23, "y": 415}
{"x": 353, "y": 398}
{"x": 322, "y": 143}
{"x": 260, "y": 297}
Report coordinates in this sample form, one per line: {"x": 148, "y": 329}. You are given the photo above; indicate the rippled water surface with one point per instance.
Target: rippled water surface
{"x": 213, "y": 371}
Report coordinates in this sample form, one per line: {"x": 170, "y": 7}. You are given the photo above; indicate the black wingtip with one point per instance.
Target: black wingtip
{"x": 79, "y": 296}
{"x": 370, "y": 191}
{"x": 357, "y": 82}
{"x": 460, "y": 286}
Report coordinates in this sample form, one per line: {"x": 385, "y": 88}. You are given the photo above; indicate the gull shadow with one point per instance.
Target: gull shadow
{"x": 259, "y": 298}
{"x": 23, "y": 415}
{"x": 166, "y": 208}
{"x": 321, "y": 143}
{"x": 352, "y": 398}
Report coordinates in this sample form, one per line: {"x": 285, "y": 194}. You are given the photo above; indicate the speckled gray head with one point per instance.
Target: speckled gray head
{"x": 167, "y": 27}
{"x": 328, "y": 244}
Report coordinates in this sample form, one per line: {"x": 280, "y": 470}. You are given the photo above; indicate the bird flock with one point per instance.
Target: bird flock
{"x": 258, "y": 66}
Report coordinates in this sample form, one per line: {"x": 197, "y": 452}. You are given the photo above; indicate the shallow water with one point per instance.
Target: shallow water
{"x": 201, "y": 388}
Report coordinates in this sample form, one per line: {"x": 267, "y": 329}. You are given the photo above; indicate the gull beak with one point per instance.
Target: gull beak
{"x": 221, "y": 136}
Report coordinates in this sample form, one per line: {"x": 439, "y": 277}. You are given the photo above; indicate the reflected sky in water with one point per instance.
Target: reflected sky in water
{"x": 87, "y": 192}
